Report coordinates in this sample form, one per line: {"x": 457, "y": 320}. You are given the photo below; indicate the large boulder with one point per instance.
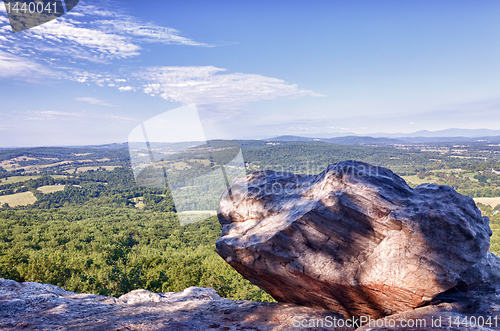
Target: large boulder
{"x": 355, "y": 239}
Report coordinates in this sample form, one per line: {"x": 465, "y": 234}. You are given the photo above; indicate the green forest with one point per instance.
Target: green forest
{"x": 97, "y": 231}
{"x": 111, "y": 250}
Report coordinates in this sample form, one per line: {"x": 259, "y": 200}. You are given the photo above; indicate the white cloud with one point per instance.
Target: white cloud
{"x": 97, "y": 35}
{"x": 81, "y": 42}
{"x": 88, "y": 32}
{"x": 147, "y": 32}
{"x": 208, "y": 86}
{"x": 62, "y": 116}
{"x": 94, "y": 101}
{"x": 73, "y": 13}
{"x": 125, "y": 88}
{"x": 114, "y": 22}
{"x": 6, "y": 128}
{"x": 49, "y": 115}
{"x": 16, "y": 67}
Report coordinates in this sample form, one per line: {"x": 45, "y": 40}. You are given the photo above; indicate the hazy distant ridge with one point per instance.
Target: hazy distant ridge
{"x": 423, "y": 136}
{"x": 470, "y": 133}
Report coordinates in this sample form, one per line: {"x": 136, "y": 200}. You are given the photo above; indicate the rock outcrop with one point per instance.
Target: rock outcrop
{"x": 355, "y": 239}
{"x": 28, "y": 306}
{"x": 34, "y": 306}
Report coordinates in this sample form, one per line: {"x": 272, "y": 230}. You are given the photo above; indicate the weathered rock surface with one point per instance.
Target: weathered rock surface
{"x": 476, "y": 309}
{"x": 355, "y": 239}
{"x": 28, "y": 306}
{"x": 34, "y": 306}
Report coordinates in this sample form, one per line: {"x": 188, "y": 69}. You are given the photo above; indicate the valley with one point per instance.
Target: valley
{"x": 76, "y": 217}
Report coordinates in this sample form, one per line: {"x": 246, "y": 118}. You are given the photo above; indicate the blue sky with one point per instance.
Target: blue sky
{"x": 254, "y": 69}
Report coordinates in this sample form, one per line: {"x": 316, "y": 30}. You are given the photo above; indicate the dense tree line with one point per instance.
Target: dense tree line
{"x": 314, "y": 156}
{"x": 485, "y": 183}
{"x": 113, "y": 250}
{"x": 66, "y": 153}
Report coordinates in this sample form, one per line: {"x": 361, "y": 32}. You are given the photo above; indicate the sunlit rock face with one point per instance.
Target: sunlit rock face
{"x": 35, "y": 306}
{"x": 355, "y": 239}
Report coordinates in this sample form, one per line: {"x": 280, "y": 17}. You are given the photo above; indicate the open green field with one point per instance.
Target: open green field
{"x": 493, "y": 202}
{"x": 17, "y": 179}
{"x": 470, "y": 175}
{"x": 449, "y": 171}
{"x": 85, "y": 169}
{"x": 18, "y": 199}
{"x": 51, "y": 188}
{"x": 415, "y": 180}
{"x": 468, "y": 157}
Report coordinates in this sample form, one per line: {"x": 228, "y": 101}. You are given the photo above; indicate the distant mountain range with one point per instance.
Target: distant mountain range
{"x": 349, "y": 138}
{"x": 419, "y": 137}
{"x": 470, "y": 133}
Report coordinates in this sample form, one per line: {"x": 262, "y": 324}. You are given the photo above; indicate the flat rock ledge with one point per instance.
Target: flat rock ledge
{"x": 35, "y": 306}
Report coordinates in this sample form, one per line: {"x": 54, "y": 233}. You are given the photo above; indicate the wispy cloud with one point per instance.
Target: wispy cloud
{"x": 69, "y": 38}
{"x": 146, "y": 32}
{"x": 62, "y": 116}
{"x": 115, "y": 22}
{"x": 94, "y": 101}
{"x": 90, "y": 33}
{"x": 16, "y": 67}
{"x": 5, "y": 128}
{"x": 207, "y": 86}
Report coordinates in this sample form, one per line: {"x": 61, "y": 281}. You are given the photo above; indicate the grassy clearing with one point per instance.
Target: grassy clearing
{"x": 488, "y": 201}
{"x": 51, "y": 188}
{"x": 18, "y": 199}
{"x": 468, "y": 157}
{"x": 415, "y": 180}
{"x": 138, "y": 203}
{"x": 471, "y": 175}
{"x": 85, "y": 169}
{"x": 17, "y": 179}
{"x": 448, "y": 171}
{"x": 181, "y": 165}
{"x": 14, "y": 163}
{"x": 35, "y": 168}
